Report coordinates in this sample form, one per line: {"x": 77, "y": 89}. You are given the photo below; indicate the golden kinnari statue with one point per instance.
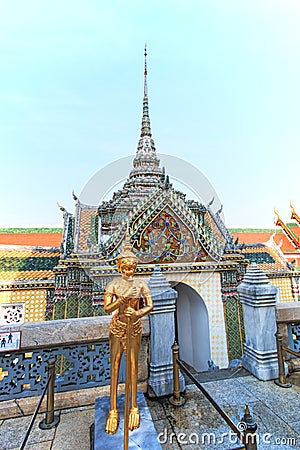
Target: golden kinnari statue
{"x": 129, "y": 299}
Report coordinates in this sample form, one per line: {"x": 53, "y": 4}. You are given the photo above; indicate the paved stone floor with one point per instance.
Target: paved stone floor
{"x": 196, "y": 425}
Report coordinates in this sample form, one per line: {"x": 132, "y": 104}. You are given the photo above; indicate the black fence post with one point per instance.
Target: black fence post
{"x": 50, "y": 420}
{"x": 281, "y": 381}
{"x": 176, "y": 399}
{"x": 249, "y": 437}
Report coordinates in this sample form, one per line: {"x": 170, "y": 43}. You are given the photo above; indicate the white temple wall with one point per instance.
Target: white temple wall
{"x": 208, "y": 286}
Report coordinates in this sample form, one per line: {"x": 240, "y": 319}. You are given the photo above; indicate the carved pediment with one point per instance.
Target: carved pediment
{"x": 167, "y": 239}
{"x": 165, "y": 229}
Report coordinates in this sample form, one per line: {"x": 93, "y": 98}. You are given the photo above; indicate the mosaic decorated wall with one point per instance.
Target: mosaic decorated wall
{"x": 284, "y": 285}
{"x": 208, "y": 285}
{"x": 233, "y": 313}
{"x": 23, "y": 305}
{"x": 235, "y": 328}
{"x": 75, "y": 306}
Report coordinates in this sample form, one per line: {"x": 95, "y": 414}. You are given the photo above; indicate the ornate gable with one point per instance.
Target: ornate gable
{"x": 164, "y": 229}
{"x": 167, "y": 239}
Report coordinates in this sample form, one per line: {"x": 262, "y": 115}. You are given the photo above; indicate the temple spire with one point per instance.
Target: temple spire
{"x": 146, "y": 128}
{"x": 146, "y": 163}
{"x": 145, "y": 73}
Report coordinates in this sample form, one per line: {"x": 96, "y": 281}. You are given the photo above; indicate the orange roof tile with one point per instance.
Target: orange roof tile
{"x": 250, "y": 237}
{"x": 33, "y": 239}
{"x": 286, "y": 245}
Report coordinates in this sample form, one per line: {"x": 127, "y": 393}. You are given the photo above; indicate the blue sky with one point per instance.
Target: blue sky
{"x": 224, "y": 95}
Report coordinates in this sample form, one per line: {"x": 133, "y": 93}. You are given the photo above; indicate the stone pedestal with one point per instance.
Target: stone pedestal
{"x": 143, "y": 438}
{"x": 259, "y": 300}
{"x": 162, "y": 335}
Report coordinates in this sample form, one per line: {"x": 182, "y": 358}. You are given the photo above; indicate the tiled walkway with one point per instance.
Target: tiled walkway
{"x": 196, "y": 425}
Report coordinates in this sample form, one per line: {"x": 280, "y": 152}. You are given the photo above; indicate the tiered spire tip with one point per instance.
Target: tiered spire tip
{"x": 146, "y": 128}
{"x": 146, "y": 162}
{"x": 145, "y": 72}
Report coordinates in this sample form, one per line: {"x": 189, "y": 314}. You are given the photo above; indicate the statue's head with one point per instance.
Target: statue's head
{"x": 127, "y": 261}
{"x": 127, "y": 266}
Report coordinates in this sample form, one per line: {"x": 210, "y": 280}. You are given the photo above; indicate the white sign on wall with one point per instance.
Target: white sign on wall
{"x": 10, "y": 341}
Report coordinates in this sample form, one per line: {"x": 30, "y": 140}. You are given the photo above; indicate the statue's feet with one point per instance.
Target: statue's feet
{"x": 112, "y": 421}
{"x": 134, "y": 419}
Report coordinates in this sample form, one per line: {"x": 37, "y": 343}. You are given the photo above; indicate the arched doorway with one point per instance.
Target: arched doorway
{"x": 192, "y": 327}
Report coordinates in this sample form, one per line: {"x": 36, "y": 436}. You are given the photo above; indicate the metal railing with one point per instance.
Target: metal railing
{"x": 81, "y": 348}
{"x": 281, "y": 381}
{"x": 246, "y": 433}
{"x": 51, "y": 420}
{"x": 78, "y": 366}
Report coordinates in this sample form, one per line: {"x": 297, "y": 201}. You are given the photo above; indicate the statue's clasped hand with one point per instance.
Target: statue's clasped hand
{"x": 130, "y": 293}
{"x": 123, "y": 300}
{"x": 131, "y": 312}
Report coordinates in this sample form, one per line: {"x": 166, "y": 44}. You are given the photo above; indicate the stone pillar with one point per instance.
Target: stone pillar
{"x": 162, "y": 335}
{"x": 259, "y": 299}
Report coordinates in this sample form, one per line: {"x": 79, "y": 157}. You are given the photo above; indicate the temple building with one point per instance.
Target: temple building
{"x": 185, "y": 238}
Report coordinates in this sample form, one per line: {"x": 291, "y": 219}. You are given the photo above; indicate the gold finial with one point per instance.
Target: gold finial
{"x": 276, "y": 218}
{"x": 292, "y": 208}
{"x": 127, "y": 248}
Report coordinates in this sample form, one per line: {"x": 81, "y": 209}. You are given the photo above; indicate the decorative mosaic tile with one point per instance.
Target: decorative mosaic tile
{"x": 34, "y": 301}
{"x": 265, "y": 257}
{"x": 233, "y": 314}
{"x": 85, "y": 221}
{"x": 285, "y": 287}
